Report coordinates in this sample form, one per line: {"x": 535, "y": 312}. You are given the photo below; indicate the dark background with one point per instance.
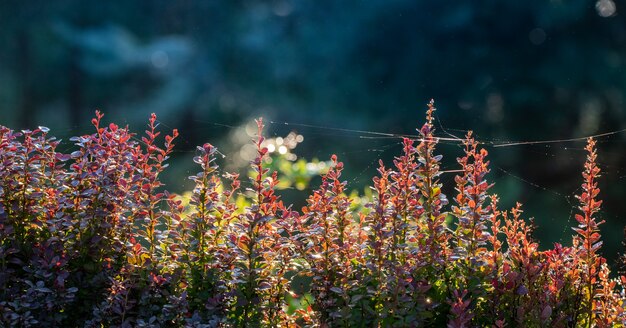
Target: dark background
{"x": 509, "y": 70}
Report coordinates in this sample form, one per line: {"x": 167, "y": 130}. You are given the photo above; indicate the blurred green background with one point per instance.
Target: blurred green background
{"x": 509, "y": 70}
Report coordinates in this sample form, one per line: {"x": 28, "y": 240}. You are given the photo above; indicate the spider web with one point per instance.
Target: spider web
{"x": 377, "y": 145}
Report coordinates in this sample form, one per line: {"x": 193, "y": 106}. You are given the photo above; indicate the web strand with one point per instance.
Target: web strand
{"x": 540, "y": 142}
{"x": 368, "y": 134}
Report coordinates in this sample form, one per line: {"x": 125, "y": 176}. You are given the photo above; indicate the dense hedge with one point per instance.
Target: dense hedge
{"x": 91, "y": 238}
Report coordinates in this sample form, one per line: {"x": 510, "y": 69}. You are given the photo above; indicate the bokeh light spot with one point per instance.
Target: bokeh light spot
{"x": 606, "y": 8}
{"x": 160, "y": 59}
{"x": 537, "y": 36}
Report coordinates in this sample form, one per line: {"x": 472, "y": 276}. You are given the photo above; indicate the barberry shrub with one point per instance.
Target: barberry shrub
{"x": 92, "y": 238}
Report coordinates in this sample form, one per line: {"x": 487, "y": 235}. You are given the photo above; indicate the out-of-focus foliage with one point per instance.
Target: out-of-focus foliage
{"x": 91, "y": 238}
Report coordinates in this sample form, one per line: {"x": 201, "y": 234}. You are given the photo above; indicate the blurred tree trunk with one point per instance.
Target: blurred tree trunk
{"x": 26, "y": 105}
{"x": 74, "y": 96}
